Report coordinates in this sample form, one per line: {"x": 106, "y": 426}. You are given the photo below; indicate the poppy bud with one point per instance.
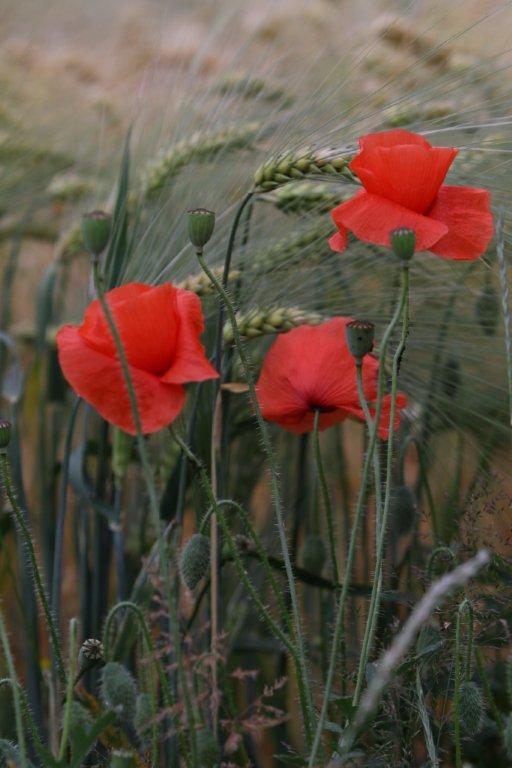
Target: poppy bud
{"x": 403, "y": 243}
{"x": 360, "y": 335}
{"x": 5, "y": 434}
{"x": 488, "y": 310}
{"x": 471, "y": 707}
{"x": 195, "y": 560}
{"x": 201, "y": 223}
{"x": 118, "y": 690}
{"x": 314, "y": 555}
{"x": 96, "y": 231}
{"x": 143, "y": 716}
{"x": 121, "y": 758}
{"x": 208, "y": 749}
{"x": 80, "y": 717}
{"x": 91, "y": 653}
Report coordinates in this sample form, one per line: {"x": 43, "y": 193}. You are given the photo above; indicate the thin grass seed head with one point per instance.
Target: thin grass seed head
{"x": 195, "y": 560}
{"x": 118, "y": 690}
{"x": 201, "y": 284}
{"x": 260, "y": 322}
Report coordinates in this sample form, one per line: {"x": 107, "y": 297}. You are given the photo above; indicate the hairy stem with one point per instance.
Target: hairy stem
{"x": 325, "y": 496}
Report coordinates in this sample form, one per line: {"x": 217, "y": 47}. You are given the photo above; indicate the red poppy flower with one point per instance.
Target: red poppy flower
{"x": 402, "y": 176}
{"x": 310, "y": 368}
{"x": 160, "y": 329}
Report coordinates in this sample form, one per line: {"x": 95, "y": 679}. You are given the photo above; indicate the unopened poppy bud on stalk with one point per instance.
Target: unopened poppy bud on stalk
{"x": 360, "y": 335}
{"x": 403, "y": 243}
{"x": 5, "y": 434}
{"x": 96, "y": 231}
{"x": 201, "y": 223}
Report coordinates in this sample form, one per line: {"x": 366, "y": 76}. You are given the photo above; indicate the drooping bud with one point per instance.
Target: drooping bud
{"x": 96, "y": 231}
{"x": 360, "y": 335}
{"x": 314, "y": 555}
{"x": 91, "y": 652}
{"x": 5, "y": 434}
{"x": 487, "y": 310}
{"x": 201, "y": 223}
{"x": 471, "y": 707}
{"x": 143, "y": 716}
{"x": 208, "y": 749}
{"x": 80, "y": 717}
{"x": 121, "y": 758}
{"x": 118, "y": 690}
{"x": 403, "y": 243}
{"x": 195, "y": 560}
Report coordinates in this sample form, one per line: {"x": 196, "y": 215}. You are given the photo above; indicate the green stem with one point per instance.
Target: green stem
{"x": 308, "y": 713}
{"x": 18, "y": 710}
{"x": 73, "y": 631}
{"x": 456, "y": 695}
{"x": 402, "y": 311}
{"x": 163, "y": 558}
{"x": 5, "y": 477}
{"x": 325, "y": 496}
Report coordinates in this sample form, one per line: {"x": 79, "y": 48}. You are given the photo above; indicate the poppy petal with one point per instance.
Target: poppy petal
{"x": 393, "y": 138}
{"x": 97, "y": 377}
{"x": 147, "y": 321}
{"x": 190, "y": 362}
{"x": 466, "y": 212}
{"x": 338, "y": 242}
{"x": 407, "y": 175}
{"x": 371, "y": 218}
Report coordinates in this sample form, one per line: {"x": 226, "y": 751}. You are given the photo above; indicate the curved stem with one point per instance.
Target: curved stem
{"x": 5, "y": 477}
{"x": 325, "y": 496}
{"x": 153, "y": 503}
{"x": 308, "y": 712}
{"x": 371, "y": 622}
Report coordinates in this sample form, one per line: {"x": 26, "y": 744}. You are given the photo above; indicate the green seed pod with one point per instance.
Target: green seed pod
{"x": 507, "y": 736}
{"x": 201, "y": 224}
{"x": 403, "y": 243}
{"x": 314, "y": 555}
{"x": 471, "y": 707}
{"x": 487, "y": 310}
{"x": 451, "y": 377}
{"x": 5, "y": 433}
{"x": 208, "y": 749}
{"x": 96, "y": 231}
{"x": 90, "y": 653}
{"x": 121, "y": 758}
{"x": 122, "y": 446}
{"x": 80, "y": 717}
{"x": 360, "y": 335}
{"x": 143, "y": 716}
{"x": 195, "y": 560}
{"x": 403, "y": 508}
{"x": 118, "y": 690}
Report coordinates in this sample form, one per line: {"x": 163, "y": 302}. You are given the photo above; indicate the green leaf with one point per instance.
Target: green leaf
{"x": 83, "y": 742}
{"x": 118, "y": 246}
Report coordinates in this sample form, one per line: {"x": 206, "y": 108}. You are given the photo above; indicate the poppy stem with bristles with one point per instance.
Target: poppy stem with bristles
{"x": 402, "y": 311}
{"x": 155, "y": 510}
{"x": 325, "y": 497}
{"x": 302, "y": 672}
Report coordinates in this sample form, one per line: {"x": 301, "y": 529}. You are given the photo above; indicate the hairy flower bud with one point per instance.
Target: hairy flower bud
{"x": 96, "y": 231}
{"x": 314, "y": 554}
{"x": 5, "y": 433}
{"x": 118, "y": 690}
{"x": 143, "y": 716}
{"x": 208, "y": 749}
{"x": 403, "y": 243}
{"x": 201, "y": 223}
{"x": 360, "y": 335}
{"x": 471, "y": 707}
{"x": 195, "y": 560}
{"x": 90, "y": 653}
